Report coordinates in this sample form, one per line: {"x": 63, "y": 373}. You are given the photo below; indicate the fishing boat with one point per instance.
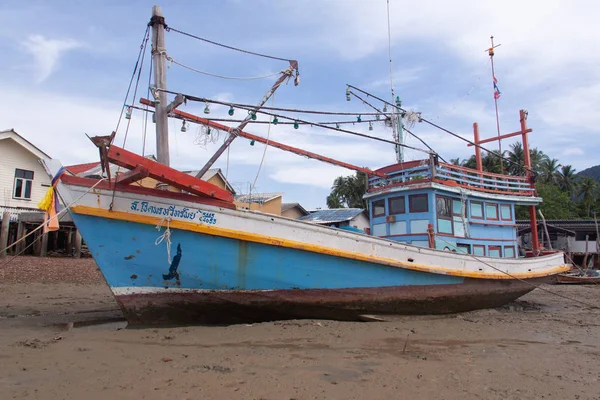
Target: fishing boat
{"x": 442, "y": 238}
{"x": 579, "y": 277}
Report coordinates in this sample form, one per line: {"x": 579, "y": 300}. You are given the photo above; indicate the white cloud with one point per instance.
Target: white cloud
{"x": 47, "y": 53}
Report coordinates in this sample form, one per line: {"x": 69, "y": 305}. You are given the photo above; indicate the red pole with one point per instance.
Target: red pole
{"x": 491, "y": 54}
{"x": 535, "y": 244}
{"x": 478, "y": 162}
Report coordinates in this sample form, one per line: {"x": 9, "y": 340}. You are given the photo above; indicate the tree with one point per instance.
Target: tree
{"x": 348, "y": 191}
{"x": 566, "y": 179}
{"x": 588, "y": 190}
{"x": 537, "y": 158}
{"x": 556, "y": 203}
{"x": 517, "y": 157}
{"x": 549, "y": 170}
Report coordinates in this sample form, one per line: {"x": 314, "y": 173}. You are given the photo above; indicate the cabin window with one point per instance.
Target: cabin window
{"x": 417, "y": 203}
{"x": 444, "y": 214}
{"x": 396, "y": 205}
{"x": 476, "y": 210}
{"x": 23, "y": 184}
{"x": 506, "y": 212}
{"x": 495, "y": 251}
{"x": 509, "y": 251}
{"x": 457, "y": 207}
{"x": 478, "y": 250}
{"x": 378, "y": 208}
{"x": 491, "y": 211}
{"x": 463, "y": 248}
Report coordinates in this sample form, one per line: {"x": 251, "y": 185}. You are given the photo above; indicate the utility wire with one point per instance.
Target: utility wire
{"x": 250, "y": 78}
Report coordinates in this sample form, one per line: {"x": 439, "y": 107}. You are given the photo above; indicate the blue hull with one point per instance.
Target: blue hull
{"x": 212, "y": 279}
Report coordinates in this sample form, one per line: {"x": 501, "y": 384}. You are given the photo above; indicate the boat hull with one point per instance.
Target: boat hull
{"x": 229, "y": 307}
{"x": 220, "y": 265}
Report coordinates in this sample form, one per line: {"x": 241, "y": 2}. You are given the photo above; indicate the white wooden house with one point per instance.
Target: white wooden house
{"x": 23, "y": 180}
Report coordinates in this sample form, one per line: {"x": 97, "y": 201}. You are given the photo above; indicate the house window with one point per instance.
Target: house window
{"x": 506, "y": 212}
{"x": 491, "y": 211}
{"x": 23, "y": 184}
{"x": 509, "y": 251}
{"x": 417, "y": 203}
{"x": 476, "y": 210}
{"x": 478, "y": 250}
{"x": 378, "y": 208}
{"x": 444, "y": 214}
{"x": 495, "y": 251}
{"x": 396, "y": 205}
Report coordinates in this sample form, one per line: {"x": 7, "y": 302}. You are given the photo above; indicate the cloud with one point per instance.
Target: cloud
{"x": 47, "y": 53}
{"x": 401, "y": 77}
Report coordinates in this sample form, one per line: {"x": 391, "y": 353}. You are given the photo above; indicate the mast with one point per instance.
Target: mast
{"x": 496, "y": 97}
{"x": 398, "y": 130}
{"x": 159, "y": 58}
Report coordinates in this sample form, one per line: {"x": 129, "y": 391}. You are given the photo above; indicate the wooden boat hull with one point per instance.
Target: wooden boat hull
{"x": 225, "y": 266}
{"x": 574, "y": 279}
{"x": 191, "y": 307}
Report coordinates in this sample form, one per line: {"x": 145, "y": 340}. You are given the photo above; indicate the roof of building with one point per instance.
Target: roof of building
{"x": 289, "y": 206}
{"x": 257, "y": 197}
{"x": 566, "y": 224}
{"x": 332, "y": 215}
{"x": 209, "y": 174}
{"x": 11, "y": 134}
{"x": 79, "y": 168}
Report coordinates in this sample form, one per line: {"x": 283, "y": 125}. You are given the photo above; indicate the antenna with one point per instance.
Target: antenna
{"x": 497, "y": 94}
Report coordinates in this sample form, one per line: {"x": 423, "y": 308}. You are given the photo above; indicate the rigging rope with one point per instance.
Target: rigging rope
{"x": 169, "y": 29}
{"x": 446, "y": 130}
{"x": 254, "y": 109}
{"x": 223, "y": 76}
{"x": 144, "y": 41}
{"x": 166, "y": 237}
{"x": 264, "y": 151}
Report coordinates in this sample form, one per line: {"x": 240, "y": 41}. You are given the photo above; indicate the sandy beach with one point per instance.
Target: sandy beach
{"x": 62, "y": 337}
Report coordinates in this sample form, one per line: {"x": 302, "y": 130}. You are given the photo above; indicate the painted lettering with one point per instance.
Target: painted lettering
{"x": 174, "y": 211}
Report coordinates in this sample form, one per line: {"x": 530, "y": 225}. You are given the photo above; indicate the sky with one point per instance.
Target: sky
{"x": 67, "y": 65}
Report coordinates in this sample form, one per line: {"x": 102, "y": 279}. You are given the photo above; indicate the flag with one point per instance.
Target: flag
{"x": 497, "y": 91}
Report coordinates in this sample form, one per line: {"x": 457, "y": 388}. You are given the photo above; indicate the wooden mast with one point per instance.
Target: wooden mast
{"x": 535, "y": 243}
{"x": 159, "y": 56}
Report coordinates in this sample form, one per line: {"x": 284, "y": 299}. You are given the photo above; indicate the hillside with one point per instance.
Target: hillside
{"x": 592, "y": 172}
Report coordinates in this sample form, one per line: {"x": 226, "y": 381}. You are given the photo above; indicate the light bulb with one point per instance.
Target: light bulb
{"x": 296, "y": 125}
{"x": 231, "y": 111}
{"x": 347, "y": 94}
{"x": 184, "y": 126}
{"x": 275, "y": 121}
{"x": 207, "y": 109}
{"x": 370, "y": 126}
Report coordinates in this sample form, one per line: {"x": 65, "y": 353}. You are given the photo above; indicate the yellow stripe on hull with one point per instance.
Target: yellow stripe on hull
{"x": 268, "y": 240}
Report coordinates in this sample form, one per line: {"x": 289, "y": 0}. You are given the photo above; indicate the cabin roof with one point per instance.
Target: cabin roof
{"x": 332, "y": 215}
{"x": 289, "y": 206}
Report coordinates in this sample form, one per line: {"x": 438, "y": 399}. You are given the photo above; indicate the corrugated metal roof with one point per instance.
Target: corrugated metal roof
{"x": 332, "y": 215}
{"x": 257, "y": 197}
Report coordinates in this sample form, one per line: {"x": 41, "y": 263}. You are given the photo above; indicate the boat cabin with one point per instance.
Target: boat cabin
{"x": 433, "y": 204}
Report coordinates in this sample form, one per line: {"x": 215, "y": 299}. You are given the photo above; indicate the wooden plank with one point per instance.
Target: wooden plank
{"x": 168, "y": 175}
{"x": 508, "y": 135}
{"x": 133, "y": 175}
{"x": 4, "y": 233}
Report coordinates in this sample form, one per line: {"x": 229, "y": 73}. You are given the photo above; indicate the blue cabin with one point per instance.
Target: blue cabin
{"x": 432, "y": 204}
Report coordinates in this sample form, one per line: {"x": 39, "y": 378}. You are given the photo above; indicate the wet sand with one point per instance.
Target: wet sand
{"x": 52, "y": 347}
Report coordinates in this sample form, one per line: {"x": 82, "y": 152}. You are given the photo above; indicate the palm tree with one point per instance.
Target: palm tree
{"x": 537, "y": 158}
{"x": 588, "y": 190}
{"x": 566, "y": 179}
{"x": 348, "y": 191}
{"x": 517, "y": 157}
{"x": 549, "y": 170}
{"x": 455, "y": 161}
{"x": 491, "y": 161}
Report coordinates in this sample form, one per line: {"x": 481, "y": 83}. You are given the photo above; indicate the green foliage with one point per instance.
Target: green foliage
{"x": 347, "y": 191}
